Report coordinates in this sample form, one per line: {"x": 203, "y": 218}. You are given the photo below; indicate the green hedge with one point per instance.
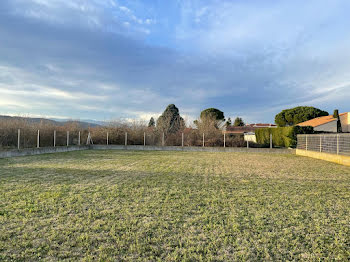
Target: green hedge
{"x": 281, "y": 136}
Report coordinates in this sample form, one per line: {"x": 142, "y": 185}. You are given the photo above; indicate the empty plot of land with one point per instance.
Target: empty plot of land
{"x": 117, "y": 205}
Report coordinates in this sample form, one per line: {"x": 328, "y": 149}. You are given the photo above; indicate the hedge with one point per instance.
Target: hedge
{"x": 281, "y": 136}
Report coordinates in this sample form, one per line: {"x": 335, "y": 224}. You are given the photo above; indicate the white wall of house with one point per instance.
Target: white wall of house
{"x": 328, "y": 127}
{"x": 250, "y": 137}
{"x": 345, "y": 122}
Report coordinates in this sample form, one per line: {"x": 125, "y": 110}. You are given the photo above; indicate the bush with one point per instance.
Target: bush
{"x": 281, "y": 136}
{"x": 29, "y": 130}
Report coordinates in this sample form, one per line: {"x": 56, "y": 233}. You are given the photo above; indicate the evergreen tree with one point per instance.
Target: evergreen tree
{"x": 212, "y": 113}
{"x": 336, "y": 115}
{"x": 239, "y": 122}
{"x": 170, "y": 121}
{"x": 228, "y": 122}
{"x": 151, "y": 122}
{"x": 210, "y": 118}
{"x": 296, "y": 115}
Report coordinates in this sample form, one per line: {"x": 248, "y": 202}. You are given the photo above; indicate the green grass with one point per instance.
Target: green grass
{"x": 170, "y": 206}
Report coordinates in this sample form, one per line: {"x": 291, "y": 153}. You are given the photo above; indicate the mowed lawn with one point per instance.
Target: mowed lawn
{"x": 171, "y": 206}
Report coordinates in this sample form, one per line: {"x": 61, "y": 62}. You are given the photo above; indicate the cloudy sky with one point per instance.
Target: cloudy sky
{"x": 111, "y": 59}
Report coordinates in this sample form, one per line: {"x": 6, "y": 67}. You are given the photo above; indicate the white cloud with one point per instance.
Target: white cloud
{"x": 125, "y": 9}
{"x": 144, "y": 116}
{"x": 130, "y": 14}
{"x": 248, "y": 58}
{"x": 21, "y": 90}
{"x": 105, "y": 15}
{"x": 39, "y": 116}
{"x": 149, "y": 21}
{"x": 237, "y": 26}
{"x": 37, "y": 92}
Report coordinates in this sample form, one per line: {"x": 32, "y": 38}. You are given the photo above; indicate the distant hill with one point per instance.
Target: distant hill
{"x": 82, "y": 124}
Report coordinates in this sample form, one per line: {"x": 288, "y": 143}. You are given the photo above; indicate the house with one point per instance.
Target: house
{"x": 239, "y": 129}
{"x": 260, "y": 125}
{"x": 248, "y": 130}
{"x": 329, "y": 123}
{"x": 251, "y": 137}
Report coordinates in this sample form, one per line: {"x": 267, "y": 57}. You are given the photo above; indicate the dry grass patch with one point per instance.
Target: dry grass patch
{"x": 169, "y": 206}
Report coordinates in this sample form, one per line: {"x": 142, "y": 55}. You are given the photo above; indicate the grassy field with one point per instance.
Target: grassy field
{"x": 170, "y": 206}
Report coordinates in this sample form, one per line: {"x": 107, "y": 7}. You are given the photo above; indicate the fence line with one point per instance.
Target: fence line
{"x": 52, "y": 138}
{"x": 44, "y": 138}
{"x": 327, "y": 143}
{"x": 24, "y": 138}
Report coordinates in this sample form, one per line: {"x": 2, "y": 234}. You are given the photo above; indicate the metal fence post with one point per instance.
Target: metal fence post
{"x": 67, "y": 138}
{"x": 126, "y": 138}
{"x": 19, "y": 139}
{"x": 88, "y": 140}
{"x": 54, "y": 138}
{"x": 320, "y": 143}
{"x": 182, "y": 139}
{"x": 271, "y": 146}
{"x": 38, "y": 140}
{"x": 306, "y": 142}
{"x": 107, "y": 139}
{"x": 144, "y": 138}
{"x": 247, "y": 143}
{"x": 163, "y": 139}
{"x": 337, "y": 144}
{"x": 79, "y": 139}
{"x": 203, "y": 141}
{"x": 224, "y": 139}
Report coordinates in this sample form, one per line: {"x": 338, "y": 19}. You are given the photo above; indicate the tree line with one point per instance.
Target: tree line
{"x": 170, "y": 120}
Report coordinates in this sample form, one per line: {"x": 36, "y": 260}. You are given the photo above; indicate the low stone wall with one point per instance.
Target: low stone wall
{"x": 339, "y": 159}
{"x": 194, "y": 149}
{"x": 39, "y": 151}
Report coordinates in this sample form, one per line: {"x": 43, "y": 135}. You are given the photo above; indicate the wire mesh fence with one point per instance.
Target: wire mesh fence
{"x": 32, "y": 138}
{"x": 326, "y": 143}
{"x": 190, "y": 137}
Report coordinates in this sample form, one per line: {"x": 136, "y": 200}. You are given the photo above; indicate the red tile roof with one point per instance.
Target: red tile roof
{"x": 320, "y": 120}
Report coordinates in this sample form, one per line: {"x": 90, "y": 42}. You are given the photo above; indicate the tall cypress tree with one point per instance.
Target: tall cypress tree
{"x": 336, "y": 115}
{"x": 151, "y": 122}
{"x": 170, "y": 121}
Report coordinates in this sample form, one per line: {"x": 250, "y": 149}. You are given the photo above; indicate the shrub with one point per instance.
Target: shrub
{"x": 29, "y": 129}
{"x": 281, "y": 136}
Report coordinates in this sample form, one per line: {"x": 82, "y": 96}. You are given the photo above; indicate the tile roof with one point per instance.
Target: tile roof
{"x": 261, "y": 125}
{"x": 320, "y": 120}
{"x": 239, "y": 129}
